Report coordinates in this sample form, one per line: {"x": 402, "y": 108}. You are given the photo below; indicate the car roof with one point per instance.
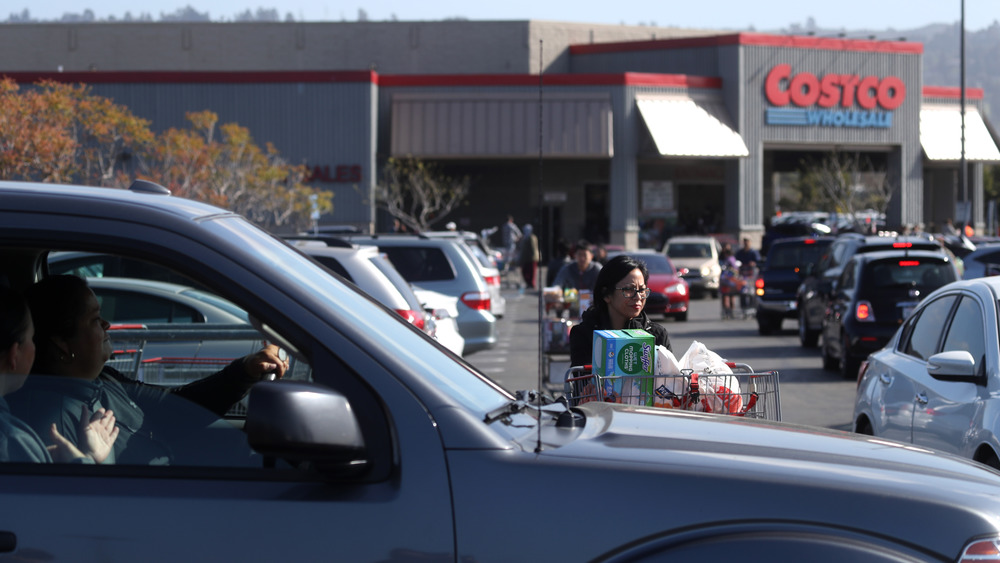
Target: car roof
{"x": 802, "y": 239}
{"x": 217, "y": 308}
{"x": 900, "y": 253}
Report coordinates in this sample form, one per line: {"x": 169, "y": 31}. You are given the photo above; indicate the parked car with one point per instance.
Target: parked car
{"x": 936, "y": 384}
{"x": 669, "y": 295}
{"x": 819, "y": 282}
{"x": 697, "y": 260}
{"x": 444, "y": 309}
{"x": 380, "y": 445}
{"x": 129, "y": 303}
{"x": 795, "y": 225}
{"x": 982, "y": 262}
{"x": 442, "y": 265}
{"x": 876, "y": 292}
{"x": 485, "y": 261}
{"x": 777, "y": 283}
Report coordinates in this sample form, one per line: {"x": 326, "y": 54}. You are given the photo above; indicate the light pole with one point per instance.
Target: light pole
{"x": 963, "y": 173}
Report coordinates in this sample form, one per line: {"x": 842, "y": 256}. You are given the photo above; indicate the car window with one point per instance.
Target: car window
{"x": 335, "y": 265}
{"x": 920, "y": 274}
{"x": 967, "y": 332}
{"x": 402, "y": 286}
{"x": 689, "y": 250}
{"x": 420, "y": 264}
{"x": 925, "y": 334}
{"x": 127, "y": 307}
{"x": 847, "y": 277}
{"x": 793, "y": 256}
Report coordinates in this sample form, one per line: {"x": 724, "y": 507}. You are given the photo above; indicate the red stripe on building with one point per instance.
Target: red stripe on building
{"x": 952, "y": 92}
{"x": 186, "y": 77}
{"x": 755, "y": 39}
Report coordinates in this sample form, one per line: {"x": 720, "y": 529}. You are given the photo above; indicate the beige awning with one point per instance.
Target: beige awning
{"x": 691, "y": 126}
{"x": 490, "y": 125}
{"x": 941, "y": 134}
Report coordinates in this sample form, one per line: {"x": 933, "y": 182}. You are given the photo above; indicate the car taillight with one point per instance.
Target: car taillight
{"x": 415, "y": 318}
{"x": 863, "y": 311}
{"x": 902, "y": 245}
{"x": 861, "y": 371}
{"x": 759, "y": 285}
{"x": 479, "y": 300}
{"x": 981, "y": 550}
{"x": 493, "y": 280}
{"x": 905, "y": 263}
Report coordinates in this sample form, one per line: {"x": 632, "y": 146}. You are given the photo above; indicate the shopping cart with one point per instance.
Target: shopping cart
{"x": 743, "y": 392}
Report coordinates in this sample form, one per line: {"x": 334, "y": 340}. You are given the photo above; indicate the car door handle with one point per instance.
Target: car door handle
{"x": 921, "y": 398}
{"x": 8, "y": 542}
{"x": 884, "y": 378}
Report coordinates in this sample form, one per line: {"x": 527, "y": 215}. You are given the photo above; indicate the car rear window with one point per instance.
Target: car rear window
{"x": 792, "y": 256}
{"x": 420, "y": 264}
{"x": 918, "y": 273}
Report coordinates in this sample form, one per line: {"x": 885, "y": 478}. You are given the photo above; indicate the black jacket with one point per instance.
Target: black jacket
{"x": 581, "y": 336}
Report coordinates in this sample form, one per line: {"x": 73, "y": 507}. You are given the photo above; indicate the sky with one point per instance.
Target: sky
{"x": 761, "y": 15}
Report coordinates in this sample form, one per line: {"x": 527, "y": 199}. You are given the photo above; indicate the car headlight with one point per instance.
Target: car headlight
{"x": 678, "y": 288}
{"x": 706, "y": 271}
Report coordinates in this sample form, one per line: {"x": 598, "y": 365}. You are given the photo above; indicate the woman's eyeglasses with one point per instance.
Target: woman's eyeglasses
{"x": 630, "y": 292}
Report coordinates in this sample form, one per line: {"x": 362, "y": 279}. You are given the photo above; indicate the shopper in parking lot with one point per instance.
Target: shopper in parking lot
{"x": 73, "y": 346}
{"x": 620, "y": 294}
{"x": 18, "y": 441}
{"x": 582, "y": 272}
{"x": 529, "y": 257}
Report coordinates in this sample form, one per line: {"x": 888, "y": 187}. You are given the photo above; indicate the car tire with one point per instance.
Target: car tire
{"x": 715, "y": 295}
{"x": 864, "y": 427}
{"x": 849, "y": 365}
{"x": 767, "y": 324}
{"x": 830, "y": 363}
{"x": 809, "y": 338}
{"x": 681, "y": 317}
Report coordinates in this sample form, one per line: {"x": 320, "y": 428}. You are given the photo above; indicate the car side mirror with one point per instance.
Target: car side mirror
{"x": 303, "y": 422}
{"x": 954, "y": 365}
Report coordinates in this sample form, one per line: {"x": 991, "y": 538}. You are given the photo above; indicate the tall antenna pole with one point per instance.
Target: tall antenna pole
{"x": 538, "y": 284}
{"x": 963, "y": 173}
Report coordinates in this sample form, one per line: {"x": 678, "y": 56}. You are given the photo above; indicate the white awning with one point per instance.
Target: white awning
{"x": 687, "y": 126}
{"x": 941, "y": 134}
{"x": 490, "y": 125}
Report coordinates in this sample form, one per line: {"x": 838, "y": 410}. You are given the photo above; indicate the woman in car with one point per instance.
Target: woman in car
{"x": 72, "y": 348}
{"x": 18, "y": 442}
{"x": 620, "y": 294}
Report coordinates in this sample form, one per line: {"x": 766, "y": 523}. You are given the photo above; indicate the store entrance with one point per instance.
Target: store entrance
{"x": 596, "y": 215}
{"x": 700, "y": 208}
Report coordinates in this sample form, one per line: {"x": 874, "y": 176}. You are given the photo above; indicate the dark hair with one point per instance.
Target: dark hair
{"x": 14, "y": 318}
{"x": 612, "y": 273}
{"x": 584, "y": 245}
{"x": 55, "y": 304}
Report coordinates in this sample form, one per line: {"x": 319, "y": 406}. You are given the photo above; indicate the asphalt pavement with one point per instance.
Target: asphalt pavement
{"x": 809, "y": 394}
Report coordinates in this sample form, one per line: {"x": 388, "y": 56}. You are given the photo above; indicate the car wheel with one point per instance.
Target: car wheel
{"x": 808, "y": 338}
{"x": 767, "y": 324}
{"x": 864, "y": 427}
{"x": 830, "y": 363}
{"x": 681, "y": 316}
{"x": 715, "y": 295}
{"x": 849, "y": 365}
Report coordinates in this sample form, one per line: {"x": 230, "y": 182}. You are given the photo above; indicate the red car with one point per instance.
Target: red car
{"x": 670, "y": 295}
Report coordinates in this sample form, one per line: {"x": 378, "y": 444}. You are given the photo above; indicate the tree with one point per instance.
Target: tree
{"x": 55, "y": 132}
{"x": 417, "y": 193}
{"x": 851, "y": 184}
{"x": 233, "y": 172}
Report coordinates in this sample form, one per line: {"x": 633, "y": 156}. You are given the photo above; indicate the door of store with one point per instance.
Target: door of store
{"x": 699, "y": 208}
{"x": 596, "y": 218}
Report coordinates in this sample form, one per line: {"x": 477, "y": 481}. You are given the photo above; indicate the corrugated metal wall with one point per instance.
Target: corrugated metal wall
{"x": 318, "y": 124}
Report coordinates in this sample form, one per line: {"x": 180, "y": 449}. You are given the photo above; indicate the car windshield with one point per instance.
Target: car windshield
{"x": 689, "y": 250}
{"x": 656, "y": 263}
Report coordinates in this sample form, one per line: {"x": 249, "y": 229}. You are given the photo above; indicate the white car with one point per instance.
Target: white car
{"x": 444, "y": 309}
{"x": 697, "y": 260}
{"x": 936, "y": 384}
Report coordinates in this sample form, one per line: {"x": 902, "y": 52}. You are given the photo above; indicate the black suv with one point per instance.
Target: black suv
{"x": 875, "y": 293}
{"x": 820, "y": 282}
{"x": 787, "y": 263}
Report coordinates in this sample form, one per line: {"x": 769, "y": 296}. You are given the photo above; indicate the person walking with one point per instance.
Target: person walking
{"x": 529, "y": 257}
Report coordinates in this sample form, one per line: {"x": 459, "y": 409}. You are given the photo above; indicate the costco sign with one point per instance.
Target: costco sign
{"x": 833, "y": 100}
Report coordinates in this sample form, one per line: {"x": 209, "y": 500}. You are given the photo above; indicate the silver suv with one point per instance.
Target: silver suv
{"x": 378, "y": 445}
{"x": 441, "y": 265}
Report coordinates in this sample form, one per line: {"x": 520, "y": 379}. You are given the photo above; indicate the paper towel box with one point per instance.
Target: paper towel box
{"x": 624, "y": 362}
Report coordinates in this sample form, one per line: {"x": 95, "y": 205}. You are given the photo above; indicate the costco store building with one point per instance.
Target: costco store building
{"x": 623, "y": 139}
